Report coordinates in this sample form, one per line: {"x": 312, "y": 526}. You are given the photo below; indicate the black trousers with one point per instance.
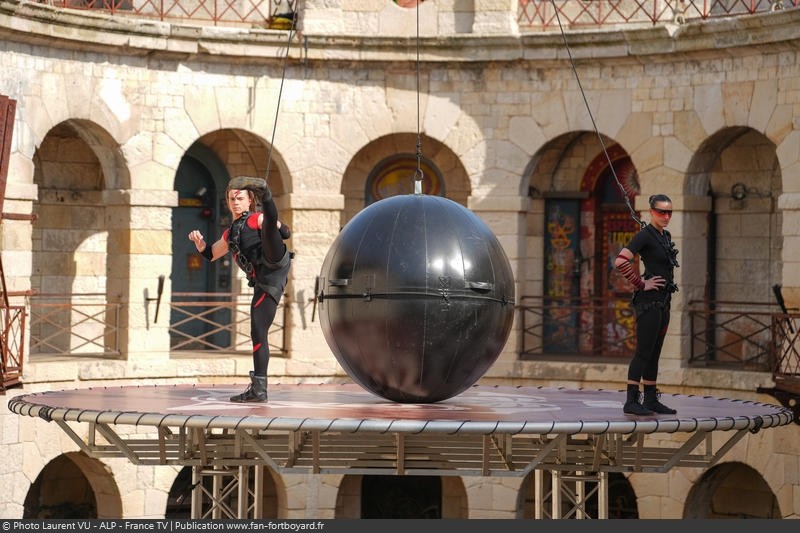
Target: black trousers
{"x": 652, "y": 321}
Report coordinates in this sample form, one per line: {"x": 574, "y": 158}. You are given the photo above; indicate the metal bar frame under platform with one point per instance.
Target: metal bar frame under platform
{"x": 216, "y": 501}
{"x": 573, "y": 489}
{"x": 320, "y": 452}
{"x": 229, "y": 456}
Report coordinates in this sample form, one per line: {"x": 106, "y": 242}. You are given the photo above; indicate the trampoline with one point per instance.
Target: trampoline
{"x": 575, "y": 434}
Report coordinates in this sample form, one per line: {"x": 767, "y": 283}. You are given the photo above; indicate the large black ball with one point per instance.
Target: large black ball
{"x": 416, "y": 298}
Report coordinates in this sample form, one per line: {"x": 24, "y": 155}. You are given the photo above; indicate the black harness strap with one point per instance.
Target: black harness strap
{"x": 665, "y": 241}
{"x": 233, "y": 243}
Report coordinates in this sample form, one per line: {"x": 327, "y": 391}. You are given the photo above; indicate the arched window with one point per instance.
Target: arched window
{"x": 396, "y": 174}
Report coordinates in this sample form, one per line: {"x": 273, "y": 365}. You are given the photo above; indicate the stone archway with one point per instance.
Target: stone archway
{"x": 738, "y": 169}
{"x": 401, "y": 497}
{"x": 92, "y": 494}
{"x": 731, "y": 490}
{"x": 454, "y": 178}
{"x": 79, "y": 255}
{"x": 581, "y": 193}
{"x": 737, "y": 241}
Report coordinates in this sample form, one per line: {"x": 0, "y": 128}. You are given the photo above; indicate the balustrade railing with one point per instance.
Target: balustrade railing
{"x": 12, "y": 352}
{"x": 220, "y": 322}
{"x": 532, "y": 15}
{"x": 594, "y": 327}
{"x": 74, "y": 324}
{"x": 786, "y": 369}
{"x": 735, "y": 335}
{"x": 749, "y": 336}
{"x": 251, "y": 13}
{"x": 88, "y": 325}
{"x": 584, "y": 14}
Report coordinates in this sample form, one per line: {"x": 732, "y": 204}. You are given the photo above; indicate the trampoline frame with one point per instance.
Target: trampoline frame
{"x": 457, "y": 439}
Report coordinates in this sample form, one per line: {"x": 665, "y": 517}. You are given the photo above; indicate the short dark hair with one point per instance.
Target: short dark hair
{"x": 658, "y": 198}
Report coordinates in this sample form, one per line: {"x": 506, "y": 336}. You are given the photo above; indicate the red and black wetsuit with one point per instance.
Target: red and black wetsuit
{"x": 265, "y": 259}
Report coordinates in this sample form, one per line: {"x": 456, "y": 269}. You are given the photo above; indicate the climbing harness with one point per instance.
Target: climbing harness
{"x": 665, "y": 241}
{"x": 235, "y": 243}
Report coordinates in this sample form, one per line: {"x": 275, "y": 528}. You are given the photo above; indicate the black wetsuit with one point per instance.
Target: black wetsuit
{"x": 652, "y": 307}
{"x": 265, "y": 259}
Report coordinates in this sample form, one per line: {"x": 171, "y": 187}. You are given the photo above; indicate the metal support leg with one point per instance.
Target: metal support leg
{"x": 539, "y": 496}
{"x": 197, "y": 493}
{"x": 555, "y": 495}
{"x": 243, "y": 492}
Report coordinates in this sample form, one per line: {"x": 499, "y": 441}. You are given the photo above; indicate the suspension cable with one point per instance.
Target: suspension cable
{"x": 418, "y": 175}
{"x": 280, "y": 93}
{"x": 591, "y": 117}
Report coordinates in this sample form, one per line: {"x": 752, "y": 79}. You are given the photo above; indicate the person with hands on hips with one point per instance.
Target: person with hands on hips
{"x": 651, "y": 302}
{"x": 256, "y": 241}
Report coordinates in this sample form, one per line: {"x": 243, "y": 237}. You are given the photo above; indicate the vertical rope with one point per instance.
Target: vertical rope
{"x": 591, "y": 117}
{"x": 280, "y": 93}
{"x": 418, "y": 175}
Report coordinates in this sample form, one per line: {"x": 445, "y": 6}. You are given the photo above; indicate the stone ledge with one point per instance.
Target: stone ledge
{"x": 33, "y": 23}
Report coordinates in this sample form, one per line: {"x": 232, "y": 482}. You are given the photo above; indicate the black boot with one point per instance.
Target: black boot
{"x": 651, "y": 402}
{"x": 632, "y": 405}
{"x": 257, "y": 185}
{"x": 256, "y": 392}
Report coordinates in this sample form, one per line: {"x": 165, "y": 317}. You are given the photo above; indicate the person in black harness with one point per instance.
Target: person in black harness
{"x": 651, "y": 302}
{"x": 256, "y": 241}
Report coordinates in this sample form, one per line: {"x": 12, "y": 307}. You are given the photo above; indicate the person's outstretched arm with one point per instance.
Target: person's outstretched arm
{"x": 210, "y": 252}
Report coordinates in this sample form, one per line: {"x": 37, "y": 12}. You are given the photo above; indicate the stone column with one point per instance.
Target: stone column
{"x": 139, "y": 251}
{"x": 789, "y": 207}
{"x": 505, "y": 216}
{"x": 314, "y": 216}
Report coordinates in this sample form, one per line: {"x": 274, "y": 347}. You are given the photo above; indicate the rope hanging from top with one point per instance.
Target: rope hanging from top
{"x": 591, "y": 117}
{"x": 418, "y": 174}
{"x": 280, "y": 93}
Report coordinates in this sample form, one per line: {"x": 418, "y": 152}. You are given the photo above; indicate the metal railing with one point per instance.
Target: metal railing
{"x": 88, "y": 325}
{"x": 736, "y": 335}
{"x": 220, "y": 322}
{"x": 742, "y": 335}
{"x": 583, "y": 14}
{"x": 12, "y": 348}
{"x": 255, "y": 13}
{"x": 74, "y": 324}
{"x": 536, "y": 15}
{"x": 786, "y": 369}
{"x": 596, "y": 327}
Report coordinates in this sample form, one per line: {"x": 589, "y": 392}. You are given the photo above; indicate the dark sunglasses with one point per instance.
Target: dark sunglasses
{"x": 662, "y": 211}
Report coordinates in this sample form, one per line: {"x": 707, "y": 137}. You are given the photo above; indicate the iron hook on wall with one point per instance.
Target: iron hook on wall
{"x": 157, "y": 299}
